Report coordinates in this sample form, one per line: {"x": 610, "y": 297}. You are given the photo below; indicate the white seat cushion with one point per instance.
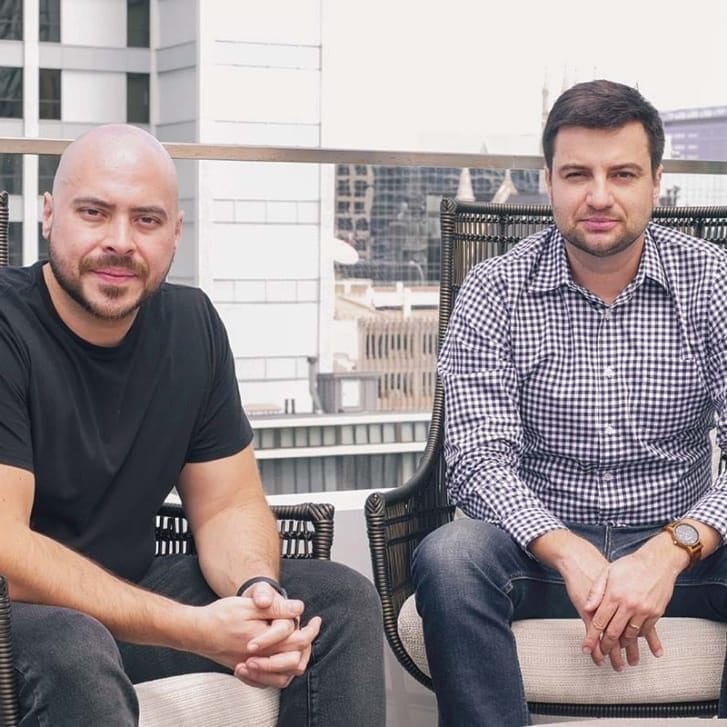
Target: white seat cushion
{"x": 205, "y": 700}
{"x": 556, "y": 671}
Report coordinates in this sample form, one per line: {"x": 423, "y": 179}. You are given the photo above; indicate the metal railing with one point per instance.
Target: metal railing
{"x": 315, "y": 155}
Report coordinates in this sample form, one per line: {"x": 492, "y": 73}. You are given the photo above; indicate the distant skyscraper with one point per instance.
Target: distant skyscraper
{"x": 697, "y": 133}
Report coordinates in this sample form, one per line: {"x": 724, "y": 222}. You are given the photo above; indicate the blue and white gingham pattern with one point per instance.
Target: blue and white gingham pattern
{"x": 560, "y": 407}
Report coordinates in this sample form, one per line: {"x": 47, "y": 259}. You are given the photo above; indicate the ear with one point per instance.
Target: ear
{"x": 657, "y": 183}
{"x": 178, "y": 229}
{"x": 549, "y": 184}
{"x": 47, "y": 216}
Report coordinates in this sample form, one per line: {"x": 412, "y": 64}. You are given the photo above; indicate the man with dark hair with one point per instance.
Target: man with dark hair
{"x": 117, "y": 386}
{"x": 583, "y": 371}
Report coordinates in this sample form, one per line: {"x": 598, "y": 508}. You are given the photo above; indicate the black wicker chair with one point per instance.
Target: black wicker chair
{"x": 398, "y": 519}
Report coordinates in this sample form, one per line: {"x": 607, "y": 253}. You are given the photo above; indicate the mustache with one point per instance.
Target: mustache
{"x": 111, "y": 260}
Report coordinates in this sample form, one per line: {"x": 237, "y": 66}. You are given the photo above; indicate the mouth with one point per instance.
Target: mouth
{"x": 114, "y": 276}
{"x": 599, "y": 224}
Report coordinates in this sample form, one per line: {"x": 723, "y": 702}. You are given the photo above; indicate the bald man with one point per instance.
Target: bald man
{"x": 117, "y": 386}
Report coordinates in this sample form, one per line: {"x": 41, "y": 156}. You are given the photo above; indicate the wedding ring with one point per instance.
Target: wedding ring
{"x": 634, "y": 626}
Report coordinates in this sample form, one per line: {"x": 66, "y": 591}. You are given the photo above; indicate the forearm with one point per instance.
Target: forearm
{"x": 236, "y": 544}
{"x": 41, "y": 570}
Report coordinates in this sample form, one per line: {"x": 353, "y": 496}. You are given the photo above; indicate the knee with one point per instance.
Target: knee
{"x": 464, "y": 547}
{"x": 78, "y": 648}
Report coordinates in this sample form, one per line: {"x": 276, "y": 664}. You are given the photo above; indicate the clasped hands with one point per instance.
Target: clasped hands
{"x": 257, "y": 635}
{"x": 621, "y": 601}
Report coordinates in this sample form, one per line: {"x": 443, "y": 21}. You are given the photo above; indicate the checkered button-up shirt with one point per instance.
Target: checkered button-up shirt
{"x": 560, "y": 407}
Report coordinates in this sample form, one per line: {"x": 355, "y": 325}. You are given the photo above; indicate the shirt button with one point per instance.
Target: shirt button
{"x": 607, "y": 476}
{"x": 609, "y": 372}
{"x": 607, "y": 314}
{"x": 609, "y": 429}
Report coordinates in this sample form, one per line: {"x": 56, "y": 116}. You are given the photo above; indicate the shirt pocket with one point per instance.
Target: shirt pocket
{"x": 667, "y": 396}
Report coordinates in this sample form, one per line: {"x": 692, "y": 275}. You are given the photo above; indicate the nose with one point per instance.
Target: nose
{"x": 120, "y": 237}
{"x": 599, "y": 193}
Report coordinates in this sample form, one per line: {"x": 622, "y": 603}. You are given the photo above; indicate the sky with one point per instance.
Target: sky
{"x": 446, "y": 76}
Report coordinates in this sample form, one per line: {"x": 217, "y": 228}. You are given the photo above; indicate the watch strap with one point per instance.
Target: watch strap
{"x": 262, "y": 579}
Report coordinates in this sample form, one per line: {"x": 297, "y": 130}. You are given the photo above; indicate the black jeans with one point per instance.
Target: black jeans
{"x": 71, "y": 671}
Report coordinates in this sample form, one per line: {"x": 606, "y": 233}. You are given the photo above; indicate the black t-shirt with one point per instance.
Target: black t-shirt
{"x": 106, "y": 431}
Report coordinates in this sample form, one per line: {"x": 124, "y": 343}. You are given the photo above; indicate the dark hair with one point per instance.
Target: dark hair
{"x": 603, "y": 105}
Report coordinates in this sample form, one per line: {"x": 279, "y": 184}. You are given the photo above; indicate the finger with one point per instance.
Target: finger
{"x": 278, "y": 630}
{"x": 298, "y": 640}
{"x": 596, "y": 628}
{"x": 598, "y": 589}
{"x": 616, "y": 657}
{"x": 285, "y": 662}
{"x": 617, "y": 631}
{"x": 262, "y": 594}
{"x": 652, "y": 638}
{"x": 632, "y": 652}
{"x": 261, "y": 679}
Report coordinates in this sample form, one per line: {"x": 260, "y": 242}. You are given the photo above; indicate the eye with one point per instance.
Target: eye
{"x": 90, "y": 213}
{"x": 149, "y": 221}
{"x": 625, "y": 174}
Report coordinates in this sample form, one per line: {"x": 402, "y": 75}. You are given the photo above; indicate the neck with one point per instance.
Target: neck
{"x": 91, "y": 328}
{"x": 605, "y": 277}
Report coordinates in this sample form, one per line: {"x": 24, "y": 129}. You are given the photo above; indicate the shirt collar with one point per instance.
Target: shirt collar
{"x": 554, "y": 271}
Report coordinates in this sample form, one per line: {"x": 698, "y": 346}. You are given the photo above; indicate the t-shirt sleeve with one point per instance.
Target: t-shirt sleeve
{"x": 15, "y": 432}
{"x": 223, "y": 428}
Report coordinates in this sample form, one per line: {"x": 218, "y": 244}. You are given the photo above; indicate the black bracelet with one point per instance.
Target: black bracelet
{"x": 262, "y": 579}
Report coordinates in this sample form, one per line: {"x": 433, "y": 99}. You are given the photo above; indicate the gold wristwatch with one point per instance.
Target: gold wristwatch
{"x": 684, "y": 535}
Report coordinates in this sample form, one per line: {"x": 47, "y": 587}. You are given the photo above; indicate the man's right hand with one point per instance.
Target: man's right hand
{"x": 580, "y": 564}
{"x": 225, "y": 629}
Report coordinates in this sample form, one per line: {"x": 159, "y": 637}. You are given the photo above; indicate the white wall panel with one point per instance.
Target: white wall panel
{"x": 262, "y": 95}
{"x": 274, "y": 329}
{"x": 272, "y": 21}
{"x": 92, "y": 97}
{"x": 261, "y": 252}
{"x": 264, "y": 181}
{"x": 178, "y": 21}
{"x": 177, "y": 95}
{"x": 263, "y": 134}
{"x": 90, "y": 22}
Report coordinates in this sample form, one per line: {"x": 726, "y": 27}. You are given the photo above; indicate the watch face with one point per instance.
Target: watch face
{"x": 686, "y": 534}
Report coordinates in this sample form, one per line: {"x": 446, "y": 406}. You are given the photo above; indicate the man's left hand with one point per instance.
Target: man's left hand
{"x": 629, "y": 597}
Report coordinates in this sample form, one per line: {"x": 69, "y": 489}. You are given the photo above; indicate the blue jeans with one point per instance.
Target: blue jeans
{"x": 72, "y": 672}
{"x": 472, "y": 580}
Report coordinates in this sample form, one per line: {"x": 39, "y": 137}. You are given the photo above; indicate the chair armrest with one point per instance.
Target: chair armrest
{"x": 9, "y": 714}
{"x": 306, "y": 530}
{"x": 397, "y": 521}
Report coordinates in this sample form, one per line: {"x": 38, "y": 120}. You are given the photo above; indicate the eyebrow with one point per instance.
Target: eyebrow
{"x": 142, "y": 210}
{"x": 632, "y": 166}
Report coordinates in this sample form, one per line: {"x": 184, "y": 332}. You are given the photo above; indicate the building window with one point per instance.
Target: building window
{"x": 137, "y": 98}
{"x": 47, "y": 165}
{"x": 137, "y": 23}
{"x": 11, "y": 173}
{"x": 15, "y": 243}
{"x": 49, "y": 29}
{"x": 50, "y": 93}
{"x": 11, "y": 19}
{"x": 11, "y": 92}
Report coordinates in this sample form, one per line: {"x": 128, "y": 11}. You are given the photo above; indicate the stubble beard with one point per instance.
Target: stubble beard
{"x": 577, "y": 240}
{"x": 72, "y": 285}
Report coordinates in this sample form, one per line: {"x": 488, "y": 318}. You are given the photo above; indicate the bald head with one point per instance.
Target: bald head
{"x": 115, "y": 146}
{"x": 113, "y": 224}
